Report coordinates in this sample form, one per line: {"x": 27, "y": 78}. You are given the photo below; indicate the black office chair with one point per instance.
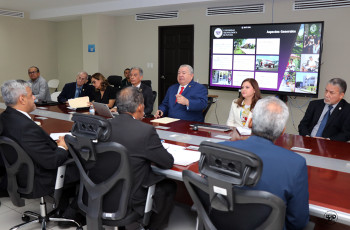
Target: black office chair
{"x": 147, "y": 82}
{"x": 16, "y": 160}
{"x": 116, "y": 81}
{"x": 154, "y": 96}
{"x": 210, "y": 102}
{"x": 105, "y": 175}
{"x": 219, "y": 198}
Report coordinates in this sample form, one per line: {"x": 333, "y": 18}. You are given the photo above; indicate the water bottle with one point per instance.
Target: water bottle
{"x": 92, "y": 110}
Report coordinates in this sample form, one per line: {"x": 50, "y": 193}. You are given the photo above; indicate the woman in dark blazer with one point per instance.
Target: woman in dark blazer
{"x": 104, "y": 93}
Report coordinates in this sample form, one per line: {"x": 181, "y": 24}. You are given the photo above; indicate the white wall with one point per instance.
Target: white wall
{"x": 24, "y": 43}
{"x": 69, "y": 51}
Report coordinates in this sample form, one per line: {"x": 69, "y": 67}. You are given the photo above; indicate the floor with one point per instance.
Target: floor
{"x": 181, "y": 217}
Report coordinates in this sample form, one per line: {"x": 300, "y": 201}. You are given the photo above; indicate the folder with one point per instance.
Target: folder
{"x": 79, "y": 102}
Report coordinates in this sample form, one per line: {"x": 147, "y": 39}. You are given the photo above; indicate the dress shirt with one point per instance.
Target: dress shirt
{"x": 40, "y": 89}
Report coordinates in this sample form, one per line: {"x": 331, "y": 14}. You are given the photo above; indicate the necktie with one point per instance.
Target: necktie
{"x": 77, "y": 92}
{"x": 324, "y": 122}
{"x": 181, "y": 90}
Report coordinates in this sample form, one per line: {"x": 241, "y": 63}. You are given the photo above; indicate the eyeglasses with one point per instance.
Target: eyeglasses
{"x": 32, "y": 72}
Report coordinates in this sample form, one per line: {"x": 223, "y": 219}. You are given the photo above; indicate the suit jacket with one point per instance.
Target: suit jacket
{"x": 43, "y": 150}
{"x": 144, "y": 147}
{"x": 68, "y": 92}
{"x": 284, "y": 174}
{"x": 125, "y": 83}
{"x": 338, "y": 124}
{"x": 148, "y": 98}
{"x": 234, "y": 117}
{"x": 197, "y": 95}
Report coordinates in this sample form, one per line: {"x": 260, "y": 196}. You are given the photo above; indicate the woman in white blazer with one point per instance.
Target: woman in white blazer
{"x": 241, "y": 108}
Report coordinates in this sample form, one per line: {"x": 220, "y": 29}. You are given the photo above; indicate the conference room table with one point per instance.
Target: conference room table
{"x": 328, "y": 161}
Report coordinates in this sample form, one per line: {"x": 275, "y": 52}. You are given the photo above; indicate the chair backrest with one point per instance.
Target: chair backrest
{"x": 210, "y": 102}
{"x": 54, "y": 95}
{"x": 223, "y": 198}
{"x": 147, "y": 82}
{"x": 53, "y": 84}
{"x": 154, "y": 96}
{"x": 104, "y": 169}
{"x": 115, "y": 80}
{"x": 16, "y": 160}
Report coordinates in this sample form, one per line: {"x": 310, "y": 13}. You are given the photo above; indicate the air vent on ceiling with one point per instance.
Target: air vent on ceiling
{"x": 319, "y": 4}
{"x": 244, "y": 9}
{"x": 11, "y": 13}
{"x": 153, "y": 16}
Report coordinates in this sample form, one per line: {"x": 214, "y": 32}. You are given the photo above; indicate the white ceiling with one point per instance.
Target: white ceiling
{"x": 58, "y": 10}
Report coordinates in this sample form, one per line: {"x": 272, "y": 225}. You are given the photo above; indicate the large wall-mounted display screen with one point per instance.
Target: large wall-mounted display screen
{"x": 283, "y": 58}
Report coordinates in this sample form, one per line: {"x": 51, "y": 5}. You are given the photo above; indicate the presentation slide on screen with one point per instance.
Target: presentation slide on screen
{"x": 281, "y": 57}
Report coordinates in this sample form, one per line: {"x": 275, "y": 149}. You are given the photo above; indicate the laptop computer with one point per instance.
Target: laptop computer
{"x": 103, "y": 110}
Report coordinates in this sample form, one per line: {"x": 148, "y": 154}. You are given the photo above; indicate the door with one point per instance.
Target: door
{"x": 175, "y": 49}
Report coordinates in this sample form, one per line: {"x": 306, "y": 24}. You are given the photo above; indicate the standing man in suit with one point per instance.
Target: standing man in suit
{"x": 328, "y": 117}
{"x": 126, "y": 80}
{"x": 284, "y": 173}
{"x": 136, "y": 76}
{"x": 185, "y": 100}
{"x": 80, "y": 88}
{"x": 40, "y": 88}
{"x": 144, "y": 147}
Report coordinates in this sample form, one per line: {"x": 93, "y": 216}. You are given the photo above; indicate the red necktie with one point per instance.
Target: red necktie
{"x": 181, "y": 90}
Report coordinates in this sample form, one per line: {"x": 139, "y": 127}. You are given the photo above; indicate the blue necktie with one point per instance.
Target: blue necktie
{"x": 324, "y": 122}
{"x": 77, "y": 92}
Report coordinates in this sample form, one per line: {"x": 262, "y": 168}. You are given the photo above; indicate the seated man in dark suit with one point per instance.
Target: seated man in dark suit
{"x": 185, "y": 100}
{"x": 136, "y": 76}
{"x": 144, "y": 147}
{"x": 46, "y": 154}
{"x": 80, "y": 88}
{"x": 284, "y": 172}
{"x": 328, "y": 117}
{"x": 126, "y": 81}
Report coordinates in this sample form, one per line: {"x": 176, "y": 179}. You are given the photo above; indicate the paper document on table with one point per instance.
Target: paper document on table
{"x": 55, "y": 136}
{"x": 181, "y": 155}
{"x": 244, "y": 130}
{"x": 79, "y": 102}
{"x": 165, "y": 120}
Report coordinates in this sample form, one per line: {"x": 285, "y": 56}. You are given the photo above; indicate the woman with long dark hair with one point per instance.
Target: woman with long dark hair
{"x": 241, "y": 108}
{"x": 104, "y": 93}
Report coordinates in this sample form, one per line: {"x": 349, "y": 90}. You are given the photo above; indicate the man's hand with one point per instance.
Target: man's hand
{"x": 158, "y": 114}
{"x": 61, "y": 142}
{"x": 182, "y": 100}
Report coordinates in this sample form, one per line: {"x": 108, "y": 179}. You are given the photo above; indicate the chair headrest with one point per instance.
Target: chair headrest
{"x": 115, "y": 80}
{"x": 229, "y": 164}
{"x": 91, "y": 127}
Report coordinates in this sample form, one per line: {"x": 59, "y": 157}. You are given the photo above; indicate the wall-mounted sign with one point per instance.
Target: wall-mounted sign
{"x": 91, "y": 48}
